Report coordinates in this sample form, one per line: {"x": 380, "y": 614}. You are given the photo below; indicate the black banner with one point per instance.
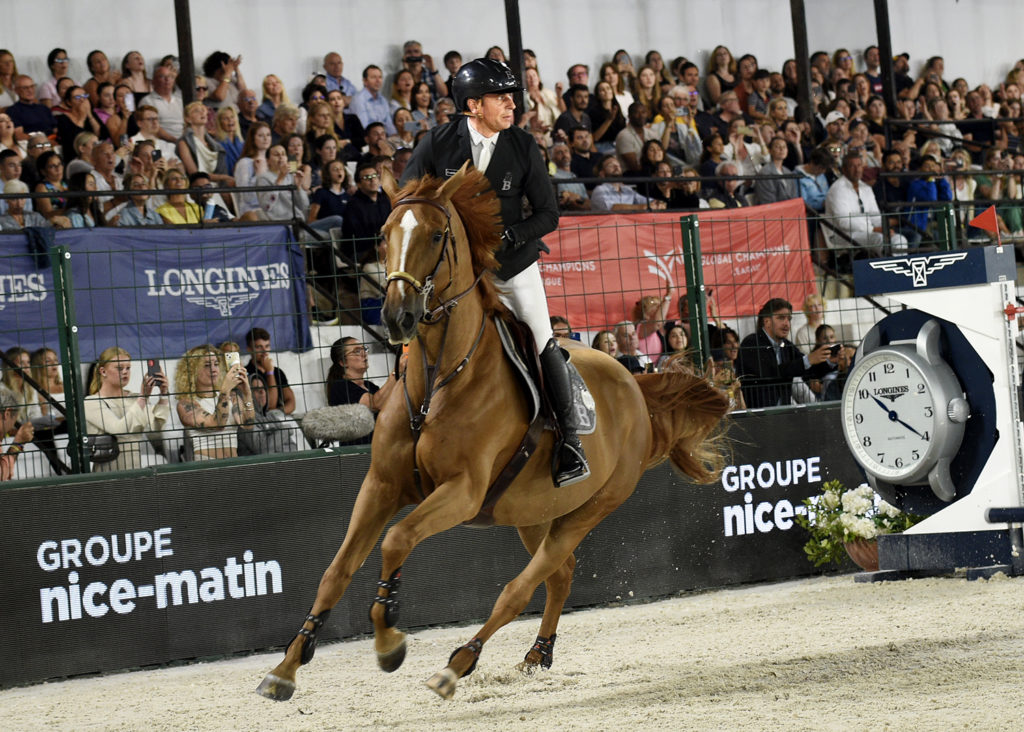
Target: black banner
{"x": 187, "y": 563}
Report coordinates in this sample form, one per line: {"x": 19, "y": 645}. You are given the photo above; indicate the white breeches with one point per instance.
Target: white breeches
{"x": 524, "y": 296}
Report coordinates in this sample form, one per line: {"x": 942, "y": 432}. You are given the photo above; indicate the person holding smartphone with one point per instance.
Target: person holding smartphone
{"x": 214, "y": 401}
{"x": 111, "y": 408}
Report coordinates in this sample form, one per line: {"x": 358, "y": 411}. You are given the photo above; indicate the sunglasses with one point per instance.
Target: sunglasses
{"x": 201, "y": 88}
{"x": 80, "y": 97}
{"x": 40, "y": 145}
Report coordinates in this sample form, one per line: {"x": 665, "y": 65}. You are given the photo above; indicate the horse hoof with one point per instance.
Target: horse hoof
{"x": 276, "y": 688}
{"x": 443, "y": 683}
{"x": 392, "y": 660}
{"x": 526, "y": 668}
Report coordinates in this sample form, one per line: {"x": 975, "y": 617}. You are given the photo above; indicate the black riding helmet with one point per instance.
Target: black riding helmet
{"x": 482, "y": 76}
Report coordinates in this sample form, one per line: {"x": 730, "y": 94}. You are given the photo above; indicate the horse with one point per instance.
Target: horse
{"x": 443, "y": 438}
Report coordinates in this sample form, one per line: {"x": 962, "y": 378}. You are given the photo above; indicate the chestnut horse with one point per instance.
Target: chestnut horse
{"x": 444, "y": 438}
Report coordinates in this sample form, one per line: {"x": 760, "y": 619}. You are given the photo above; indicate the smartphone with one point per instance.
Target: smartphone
{"x": 411, "y": 126}
{"x": 293, "y": 166}
{"x": 157, "y": 155}
{"x": 154, "y": 367}
{"x": 835, "y": 349}
{"x": 232, "y": 359}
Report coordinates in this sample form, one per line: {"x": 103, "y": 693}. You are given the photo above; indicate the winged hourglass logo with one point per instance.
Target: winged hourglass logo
{"x": 918, "y": 268}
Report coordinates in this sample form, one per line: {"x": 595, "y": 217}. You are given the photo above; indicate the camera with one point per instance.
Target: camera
{"x": 413, "y": 59}
{"x": 835, "y": 349}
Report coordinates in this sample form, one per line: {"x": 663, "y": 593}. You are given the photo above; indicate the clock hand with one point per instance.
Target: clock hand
{"x": 910, "y": 428}
{"x": 893, "y": 417}
{"x": 880, "y": 403}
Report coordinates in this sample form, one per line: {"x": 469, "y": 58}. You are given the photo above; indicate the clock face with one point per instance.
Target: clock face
{"x": 889, "y": 414}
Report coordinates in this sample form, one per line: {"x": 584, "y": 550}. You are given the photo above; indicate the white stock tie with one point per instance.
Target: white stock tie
{"x": 486, "y": 146}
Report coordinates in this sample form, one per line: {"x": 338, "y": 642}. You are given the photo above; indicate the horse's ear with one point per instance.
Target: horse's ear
{"x": 451, "y": 185}
{"x": 388, "y": 182}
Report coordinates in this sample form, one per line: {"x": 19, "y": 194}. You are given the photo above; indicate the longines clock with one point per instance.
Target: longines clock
{"x": 904, "y": 413}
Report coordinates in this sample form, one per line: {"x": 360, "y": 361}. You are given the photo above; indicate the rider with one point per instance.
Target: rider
{"x": 484, "y": 91}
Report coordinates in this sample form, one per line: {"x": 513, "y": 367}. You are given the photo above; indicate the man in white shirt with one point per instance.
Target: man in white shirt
{"x": 855, "y": 209}
{"x": 617, "y": 196}
{"x": 167, "y": 101}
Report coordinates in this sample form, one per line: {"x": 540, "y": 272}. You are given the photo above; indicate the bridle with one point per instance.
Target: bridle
{"x": 425, "y": 289}
{"x": 433, "y": 382}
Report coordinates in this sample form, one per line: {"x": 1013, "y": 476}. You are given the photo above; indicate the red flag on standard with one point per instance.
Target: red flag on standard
{"x": 987, "y": 220}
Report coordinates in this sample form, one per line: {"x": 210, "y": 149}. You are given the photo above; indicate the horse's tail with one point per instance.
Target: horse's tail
{"x": 686, "y": 413}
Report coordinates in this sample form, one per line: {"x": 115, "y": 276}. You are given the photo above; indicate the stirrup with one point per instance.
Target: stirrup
{"x": 569, "y": 464}
{"x": 309, "y": 642}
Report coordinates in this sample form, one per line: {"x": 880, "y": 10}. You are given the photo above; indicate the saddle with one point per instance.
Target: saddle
{"x": 518, "y": 346}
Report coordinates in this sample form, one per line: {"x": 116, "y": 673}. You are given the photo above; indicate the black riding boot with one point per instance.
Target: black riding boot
{"x": 568, "y": 463}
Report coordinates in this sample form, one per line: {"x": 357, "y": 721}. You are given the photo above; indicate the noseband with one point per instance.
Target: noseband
{"x": 426, "y": 288}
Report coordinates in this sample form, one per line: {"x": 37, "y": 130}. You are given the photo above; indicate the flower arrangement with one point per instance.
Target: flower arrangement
{"x": 838, "y": 516}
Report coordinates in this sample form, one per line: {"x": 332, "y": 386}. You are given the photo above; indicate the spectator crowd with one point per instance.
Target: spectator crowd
{"x": 722, "y": 134}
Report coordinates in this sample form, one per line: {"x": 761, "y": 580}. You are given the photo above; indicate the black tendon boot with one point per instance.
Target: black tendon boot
{"x": 568, "y": 463}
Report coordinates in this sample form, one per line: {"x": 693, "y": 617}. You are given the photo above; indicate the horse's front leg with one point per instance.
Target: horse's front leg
{"x": 375, "y": 505}
{"x": 451, "y": 503}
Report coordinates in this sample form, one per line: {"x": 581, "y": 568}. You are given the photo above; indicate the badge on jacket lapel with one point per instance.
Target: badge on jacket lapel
{"x": 506, "y": 182}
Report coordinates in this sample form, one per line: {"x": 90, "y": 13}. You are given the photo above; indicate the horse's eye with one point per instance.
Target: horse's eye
{"x": 438, "y": 236}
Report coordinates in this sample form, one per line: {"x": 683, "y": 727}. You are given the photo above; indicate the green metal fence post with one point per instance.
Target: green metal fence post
{"x": 947, "y": 227}
{"x": 67, "y": 330}
{"x": 695, "y": 290}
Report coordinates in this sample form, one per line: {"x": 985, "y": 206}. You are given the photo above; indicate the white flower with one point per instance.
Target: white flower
{"x": 861, "y": 528}
{"x": 830, "y": 499}
{"x": 857, "y": 503}
{"x": 888, "y": 510}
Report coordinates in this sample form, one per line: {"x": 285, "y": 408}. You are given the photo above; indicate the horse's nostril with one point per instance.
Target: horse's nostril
{"x": 407, "y": 322}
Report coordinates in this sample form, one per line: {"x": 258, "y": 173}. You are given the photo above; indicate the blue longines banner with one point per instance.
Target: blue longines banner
{"x": 158, "y": 292}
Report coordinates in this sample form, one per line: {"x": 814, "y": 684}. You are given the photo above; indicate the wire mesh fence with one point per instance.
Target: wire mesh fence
{"x": 127, "y": 332}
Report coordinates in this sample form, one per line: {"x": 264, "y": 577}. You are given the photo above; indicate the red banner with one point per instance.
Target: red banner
{"x": 600, "y": 266}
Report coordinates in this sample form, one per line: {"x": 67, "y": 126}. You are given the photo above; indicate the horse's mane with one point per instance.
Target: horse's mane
{"x": 477, "y": 206}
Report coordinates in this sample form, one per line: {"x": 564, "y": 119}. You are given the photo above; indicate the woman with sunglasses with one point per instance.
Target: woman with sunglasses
{"x": 79, "y": 118}
{"x": 58, "y": 62}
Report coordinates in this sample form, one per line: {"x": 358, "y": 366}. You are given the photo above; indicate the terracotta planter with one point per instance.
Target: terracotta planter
{"x": 864, "y": 553}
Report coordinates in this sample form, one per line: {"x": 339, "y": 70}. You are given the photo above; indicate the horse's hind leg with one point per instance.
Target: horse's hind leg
{"x": 557, "y": 588}
{"x": 371, "y": 513}
{"x": 552, "y": 554}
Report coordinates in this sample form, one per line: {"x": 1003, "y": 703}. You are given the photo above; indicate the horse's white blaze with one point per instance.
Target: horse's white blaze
{"x": 407, "y": 224}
